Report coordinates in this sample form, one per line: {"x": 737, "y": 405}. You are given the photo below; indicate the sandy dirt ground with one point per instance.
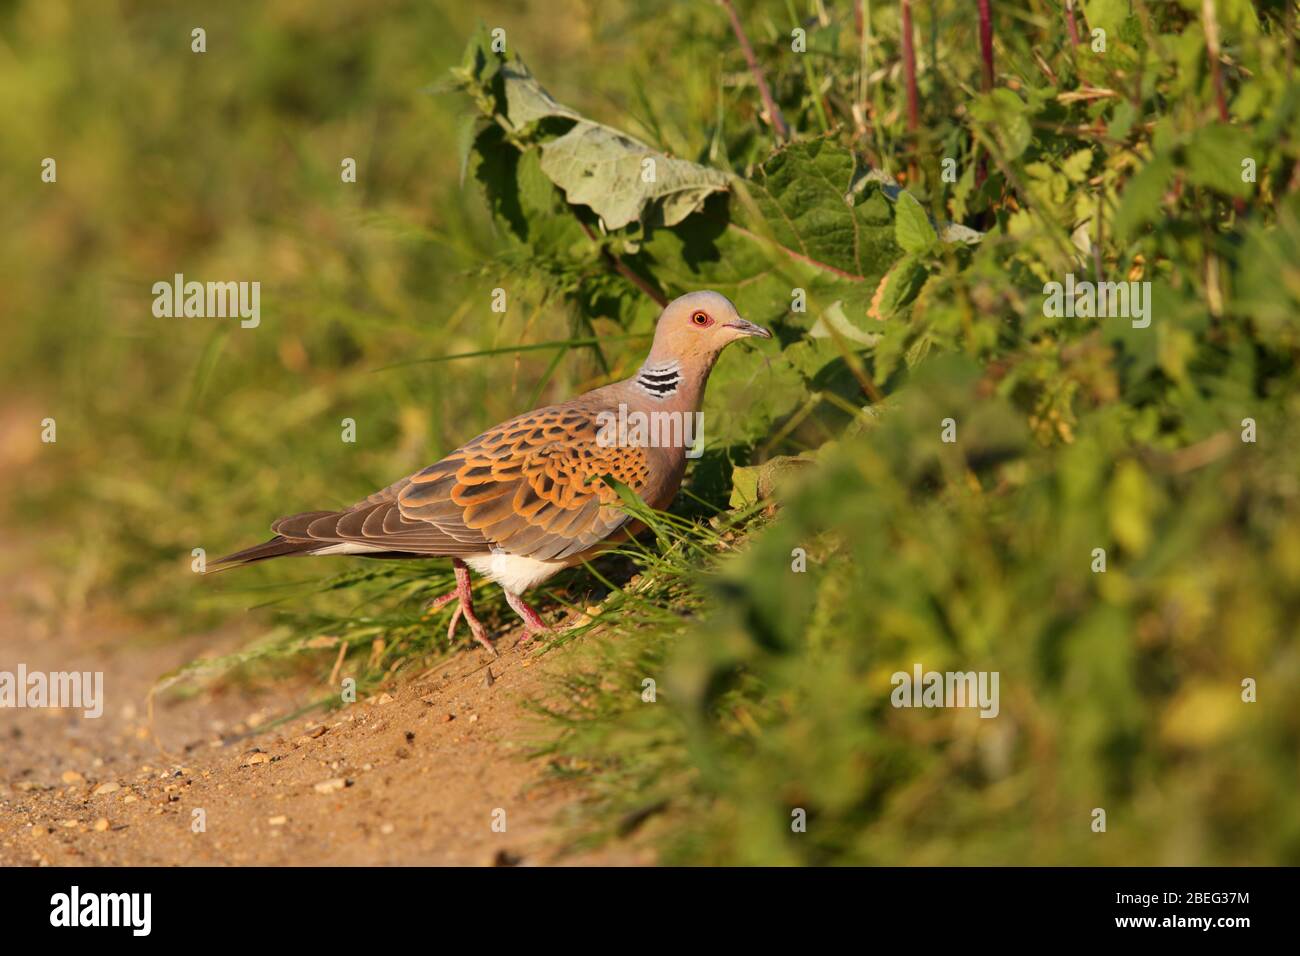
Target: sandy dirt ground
{"x": 431, "y": 771}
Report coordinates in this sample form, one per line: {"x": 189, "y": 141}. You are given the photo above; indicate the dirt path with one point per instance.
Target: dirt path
{"x": 416, "y": 775}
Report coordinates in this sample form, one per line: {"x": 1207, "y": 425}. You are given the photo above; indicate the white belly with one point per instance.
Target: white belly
{"x": 514, "y": 573}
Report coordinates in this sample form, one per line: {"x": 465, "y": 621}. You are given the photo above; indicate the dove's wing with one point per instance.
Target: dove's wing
{"x": 377, "y": 525}
{"x": 530, "y": 486}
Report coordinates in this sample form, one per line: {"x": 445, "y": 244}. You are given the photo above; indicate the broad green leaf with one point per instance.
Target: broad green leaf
{"x": 803, "y": 195}
{"x": 749, "y": 390}
{"x": 621, "y": 179}
{"x": 618, "y": 177}
{"x": 912, "y": 229}
{"x": 526, "y": 100}
{"x": 744, "y": 486}
{"x": 833, "y": 322}
{"x": 898, "y": 288}
{"x": 614, "y": 174}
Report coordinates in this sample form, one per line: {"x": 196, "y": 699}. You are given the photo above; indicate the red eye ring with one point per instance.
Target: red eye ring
{"x": 701, "y": 319}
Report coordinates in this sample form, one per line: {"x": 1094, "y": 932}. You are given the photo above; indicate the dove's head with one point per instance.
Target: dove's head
{"x": 697, "y": 326}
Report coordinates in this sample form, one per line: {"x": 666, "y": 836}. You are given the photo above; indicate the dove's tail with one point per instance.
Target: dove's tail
{"x": 277, "y": 547}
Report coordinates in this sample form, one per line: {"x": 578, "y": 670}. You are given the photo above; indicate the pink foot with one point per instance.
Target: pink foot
{"x": 533, "y": 622}
{"x": 464, "y": 607}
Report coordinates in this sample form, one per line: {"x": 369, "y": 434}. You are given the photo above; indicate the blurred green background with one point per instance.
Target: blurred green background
{"x": 1120, "y": 690}
{"x": 183, "y": 433}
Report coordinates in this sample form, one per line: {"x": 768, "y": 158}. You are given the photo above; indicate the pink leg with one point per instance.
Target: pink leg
{"x": 533, "y": 622}
{"x": 438, "y": 603}
{"x": 464, "y": 606}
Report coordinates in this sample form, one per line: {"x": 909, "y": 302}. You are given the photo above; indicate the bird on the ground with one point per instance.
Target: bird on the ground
{"x": 527, "y": 498}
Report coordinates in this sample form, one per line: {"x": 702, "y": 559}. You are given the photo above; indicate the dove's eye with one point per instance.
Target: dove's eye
{"x": 701, "y": 319}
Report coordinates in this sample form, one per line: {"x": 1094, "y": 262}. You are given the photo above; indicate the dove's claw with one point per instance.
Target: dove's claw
{"x": 464, "y": 607}
{"x": 437, "y": 603}
{"x": 533, "y": 623}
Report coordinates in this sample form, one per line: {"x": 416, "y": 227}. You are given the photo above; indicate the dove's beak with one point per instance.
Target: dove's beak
{"x": 745, "y": 327}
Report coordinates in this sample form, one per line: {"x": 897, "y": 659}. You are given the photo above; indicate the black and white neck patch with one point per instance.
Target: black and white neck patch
{"x": 660, "y": 380}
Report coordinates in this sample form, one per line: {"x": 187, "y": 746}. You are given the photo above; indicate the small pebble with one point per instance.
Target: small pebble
{"x": 101, "y": 824}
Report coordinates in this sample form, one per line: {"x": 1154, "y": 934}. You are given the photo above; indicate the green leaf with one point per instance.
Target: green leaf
{"x": 1121, "y": 122}
{"x": 747, "y": 393}
{"x": 1214, "y": 159}
{"x": 912, "y": 229}
{"x": 744, "y": 486}
{"x": 618, "y": 177}
{"x": 1130, "y": 504}
{"x": 803, "y": 195}
{"x": 833, "y": 321}
{"x": 1076, "y": 165}
{"x": 1108, "y": 15}
{"x": 1269, "y": 289}
{"x": 1007, "y": 115}
{"x": 1141, "y": 199}
{"x": 526, "y": 100}
{"x": 898, "y": 288}
{"x": 810, "y": 219}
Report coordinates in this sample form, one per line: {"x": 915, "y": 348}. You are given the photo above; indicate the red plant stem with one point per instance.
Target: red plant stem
{"x": 986, "y": 79}
{"x": 773, "y": 111}
{"x": 986, "y": 44}
{"x": 1211, "y": 24}
{"x": 909, "y": 70}
{"x": 626, "y": 271}
{"x": 1069, "y": 22}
